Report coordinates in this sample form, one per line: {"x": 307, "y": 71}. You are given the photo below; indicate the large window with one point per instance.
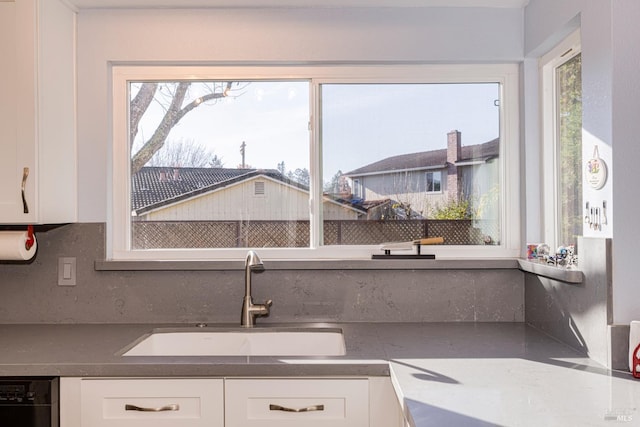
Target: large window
{"x": 313, "y": 162}
{"x": 562, "y": 105}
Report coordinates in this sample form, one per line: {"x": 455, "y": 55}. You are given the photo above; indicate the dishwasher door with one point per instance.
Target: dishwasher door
{"x": 29, "y": 401}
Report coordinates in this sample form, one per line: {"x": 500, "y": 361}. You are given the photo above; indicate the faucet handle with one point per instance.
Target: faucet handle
{"x": 263, "y": 309}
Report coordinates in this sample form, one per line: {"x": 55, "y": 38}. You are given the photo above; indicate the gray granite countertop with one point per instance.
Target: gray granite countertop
{"x": 95, "y": 350}
{"x": 453, "y": 374}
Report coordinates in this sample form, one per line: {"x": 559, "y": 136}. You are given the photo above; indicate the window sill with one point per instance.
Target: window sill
{"x": 572, "y": 276}
{"x": 439, "y": 264}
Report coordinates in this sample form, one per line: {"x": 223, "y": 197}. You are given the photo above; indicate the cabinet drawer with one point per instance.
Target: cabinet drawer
{"x": 296, "y": 402}
{"x": 152, "y": 403}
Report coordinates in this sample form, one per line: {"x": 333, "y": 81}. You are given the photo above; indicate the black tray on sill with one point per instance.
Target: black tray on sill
{"x": 406, "y": 256}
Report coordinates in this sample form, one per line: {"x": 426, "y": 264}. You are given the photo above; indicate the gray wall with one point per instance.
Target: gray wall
{"x": 611, "y": 101}
{"x": 576, "y": 314}
{"x": 626, "y": 131}
{"x": 30, "y": 293}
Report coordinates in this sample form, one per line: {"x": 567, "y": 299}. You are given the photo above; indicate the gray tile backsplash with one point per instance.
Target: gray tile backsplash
{"x": 30, "y": 293}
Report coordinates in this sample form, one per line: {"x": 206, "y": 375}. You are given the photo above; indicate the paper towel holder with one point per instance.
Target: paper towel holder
{"x": 31, "y": 240}
{"x": 635, "y": 365}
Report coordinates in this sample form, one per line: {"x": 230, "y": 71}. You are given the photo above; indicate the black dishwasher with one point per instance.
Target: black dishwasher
{"x": 29, "y": 402}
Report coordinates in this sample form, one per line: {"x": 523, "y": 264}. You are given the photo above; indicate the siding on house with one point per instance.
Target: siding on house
{"x": 279, "y": 202}
{"x": 468, "y": 172}
{"x": 406, "y": 187}
{"x": 481, "y": 184}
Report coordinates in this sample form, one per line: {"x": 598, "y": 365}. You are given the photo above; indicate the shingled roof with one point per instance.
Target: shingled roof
{"x": 429, "y": 159}
{"x": 153, "y": 187}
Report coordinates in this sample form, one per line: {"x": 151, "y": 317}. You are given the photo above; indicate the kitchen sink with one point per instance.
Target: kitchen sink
{"x": 213, "y": 341}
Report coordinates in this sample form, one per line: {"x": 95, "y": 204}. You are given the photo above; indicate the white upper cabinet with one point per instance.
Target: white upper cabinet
{"x": 37, "y": 112}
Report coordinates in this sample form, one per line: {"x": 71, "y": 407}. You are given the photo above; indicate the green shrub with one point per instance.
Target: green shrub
{"x": 453, "y": 209}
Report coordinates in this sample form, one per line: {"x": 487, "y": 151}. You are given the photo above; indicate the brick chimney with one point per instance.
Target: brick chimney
{"x": 454, "y": 153}
{"x": 454, "y": 146}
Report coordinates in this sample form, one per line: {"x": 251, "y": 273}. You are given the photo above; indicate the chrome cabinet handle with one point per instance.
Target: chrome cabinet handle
{"x": 25, "y": 175}
{"x": 172, "y": 407}
{"x": 307, "y": 409}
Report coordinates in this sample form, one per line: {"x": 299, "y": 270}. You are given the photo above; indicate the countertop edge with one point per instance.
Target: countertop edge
{"x": 571, "y": 276}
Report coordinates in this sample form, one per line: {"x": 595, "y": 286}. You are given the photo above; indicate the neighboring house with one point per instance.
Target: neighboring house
{"x": 429, "y": 179}
{"x": 219, "y": 194}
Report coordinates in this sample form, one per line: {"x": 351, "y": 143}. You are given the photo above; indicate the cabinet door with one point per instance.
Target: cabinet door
{"x": 384, "y": 406}
{"x": 16, "y": 153}
{"x": 37, "y": 112}
{"x": 296, "y": 402}
{"x": 56, "y": 125}
{"x": 152, "y": 403}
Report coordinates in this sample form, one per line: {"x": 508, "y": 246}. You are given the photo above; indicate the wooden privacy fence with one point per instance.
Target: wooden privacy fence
{"x": 256, "y": 234}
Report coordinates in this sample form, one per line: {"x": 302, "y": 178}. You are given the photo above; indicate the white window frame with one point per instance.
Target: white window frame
{"x": 357, "y": 188}
{"x": 548, "y": 64}
{"x": 427, "y": 182}
{"x": 507, "y": 75}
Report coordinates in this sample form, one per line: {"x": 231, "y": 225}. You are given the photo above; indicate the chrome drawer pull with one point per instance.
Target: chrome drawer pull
{"x": 25, "y": 175}
{"x": 307, "y": 409}
{"x": 172, "y": 407}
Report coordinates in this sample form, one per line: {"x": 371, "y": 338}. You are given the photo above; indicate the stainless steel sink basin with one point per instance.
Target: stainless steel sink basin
{"x": 240, "y": 342}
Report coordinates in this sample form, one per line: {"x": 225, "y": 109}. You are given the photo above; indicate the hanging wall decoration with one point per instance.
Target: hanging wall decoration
{"x": 596, "y": 171}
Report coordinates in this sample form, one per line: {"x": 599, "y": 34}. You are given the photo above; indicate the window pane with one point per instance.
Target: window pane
{"x": 219, "y": 164}
{"x": 433, "y": 182}
{"x": 569, "y": 100}
{"x": 397, "y": 169}
{"x": 437, "y": 182}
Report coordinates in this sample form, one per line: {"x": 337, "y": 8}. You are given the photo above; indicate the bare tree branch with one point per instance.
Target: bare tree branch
{"x": 139, "y": 105}
{"x": 174, "y": 112}
{"x": 184, "y": 153}
{"x": 201, "y": 100}
{"x": 160, "y": 135}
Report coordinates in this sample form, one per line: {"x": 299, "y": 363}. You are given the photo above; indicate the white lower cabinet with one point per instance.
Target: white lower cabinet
{"x": 143, "y": 403}
{"x": 229, "y": 402}
{"x": 296, "y": 402}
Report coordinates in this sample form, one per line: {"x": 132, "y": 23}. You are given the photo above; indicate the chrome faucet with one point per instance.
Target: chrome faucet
{"x": 250, "y": 310}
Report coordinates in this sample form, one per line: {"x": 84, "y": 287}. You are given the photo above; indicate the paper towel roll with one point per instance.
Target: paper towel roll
{"x": 13, "y": 246}
{"x": 634, "y": 340}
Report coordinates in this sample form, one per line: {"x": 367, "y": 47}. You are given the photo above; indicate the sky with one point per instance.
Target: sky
{"x": 361, "y": 123}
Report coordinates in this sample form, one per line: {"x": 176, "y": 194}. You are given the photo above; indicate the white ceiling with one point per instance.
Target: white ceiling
{"x": 293, "y": 3}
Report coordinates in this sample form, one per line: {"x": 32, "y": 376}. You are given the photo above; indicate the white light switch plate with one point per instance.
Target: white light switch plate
{"x": 67, "y": 271}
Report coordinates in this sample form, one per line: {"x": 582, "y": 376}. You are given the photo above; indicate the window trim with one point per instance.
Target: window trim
{"x": 548, "y": 63}
{"x": 426, "y": 174}
{"x": 357, "y": 188}
{"x": 507, "y": 75}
